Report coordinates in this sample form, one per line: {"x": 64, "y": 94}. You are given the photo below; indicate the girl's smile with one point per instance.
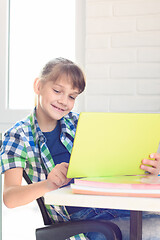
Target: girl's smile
{"x": 57, "y": 108}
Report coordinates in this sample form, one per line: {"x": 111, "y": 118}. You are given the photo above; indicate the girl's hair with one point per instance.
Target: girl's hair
{"x": 58, "y": 67}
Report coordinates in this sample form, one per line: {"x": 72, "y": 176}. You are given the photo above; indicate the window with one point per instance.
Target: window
{"x": 35, "y": 33}
{"x": 40, "y": 30}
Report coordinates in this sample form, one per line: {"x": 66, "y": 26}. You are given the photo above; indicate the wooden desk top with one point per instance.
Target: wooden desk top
{"x": 64, "y": 196}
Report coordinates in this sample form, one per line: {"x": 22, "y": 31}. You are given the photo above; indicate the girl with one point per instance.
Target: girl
{"x": 41, "y": 145}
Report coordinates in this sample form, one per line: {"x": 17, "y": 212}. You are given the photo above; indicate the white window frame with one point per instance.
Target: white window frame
{"x": 7, "y": 116}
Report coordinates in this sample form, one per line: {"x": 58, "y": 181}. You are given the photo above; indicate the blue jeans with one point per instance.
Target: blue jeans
{"x": 114, "y": 215}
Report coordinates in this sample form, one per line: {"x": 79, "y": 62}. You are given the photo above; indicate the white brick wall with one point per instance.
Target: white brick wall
{"x": 122, "y": 62}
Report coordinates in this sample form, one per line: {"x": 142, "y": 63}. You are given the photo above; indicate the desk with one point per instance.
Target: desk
{"x": 64, "y": 196}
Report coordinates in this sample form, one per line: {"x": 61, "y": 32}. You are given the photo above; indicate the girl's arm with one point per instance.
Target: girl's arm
{"x": 154, "y": 167}
{"x": 15, "y": 194}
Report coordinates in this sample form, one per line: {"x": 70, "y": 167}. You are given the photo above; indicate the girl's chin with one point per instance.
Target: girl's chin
{"x": 57, "y": 115}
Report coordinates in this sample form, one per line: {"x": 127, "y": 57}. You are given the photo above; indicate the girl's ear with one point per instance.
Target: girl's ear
{"x": 36, "y": 86}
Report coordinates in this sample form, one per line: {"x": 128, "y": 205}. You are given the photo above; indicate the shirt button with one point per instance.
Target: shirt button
{"x": 42, "y": 139}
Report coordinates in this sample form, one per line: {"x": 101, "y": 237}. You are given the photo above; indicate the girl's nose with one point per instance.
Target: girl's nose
{"x": 63, "y": 100}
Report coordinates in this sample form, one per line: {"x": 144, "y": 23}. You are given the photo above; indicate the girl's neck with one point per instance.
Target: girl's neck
{"x": 45, "y": 124}
{"x": 47, "y": 127}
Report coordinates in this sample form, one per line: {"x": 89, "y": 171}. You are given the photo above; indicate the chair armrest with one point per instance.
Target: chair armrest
{"x": 64, "y": 230}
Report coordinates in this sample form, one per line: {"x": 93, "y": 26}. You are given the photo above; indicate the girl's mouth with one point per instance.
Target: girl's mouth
{"x": 59, "y": 109}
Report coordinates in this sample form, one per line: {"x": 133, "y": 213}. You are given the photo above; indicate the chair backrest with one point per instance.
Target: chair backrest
{"x": 0, "y": 140}
{"x": 40, "y": 201}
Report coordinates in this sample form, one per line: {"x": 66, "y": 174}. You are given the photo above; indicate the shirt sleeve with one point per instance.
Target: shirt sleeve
{"x": 13, "y": 152}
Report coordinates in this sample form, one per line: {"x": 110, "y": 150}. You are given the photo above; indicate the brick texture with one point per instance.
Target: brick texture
{"x": 122, "y": 55}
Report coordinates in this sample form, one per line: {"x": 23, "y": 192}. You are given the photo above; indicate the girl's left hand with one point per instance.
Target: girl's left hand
{"x": 154, "y": 167}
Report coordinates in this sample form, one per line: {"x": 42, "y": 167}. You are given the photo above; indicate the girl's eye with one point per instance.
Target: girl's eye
{"x": 56, "y": 91}
{"x": 71, "y": 97}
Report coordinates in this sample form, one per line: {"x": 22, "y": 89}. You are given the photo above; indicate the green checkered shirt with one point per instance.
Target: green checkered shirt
{"x": 24, "y": 146}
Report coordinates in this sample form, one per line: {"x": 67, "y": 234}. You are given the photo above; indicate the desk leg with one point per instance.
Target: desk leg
{"x": 135, "y": 225}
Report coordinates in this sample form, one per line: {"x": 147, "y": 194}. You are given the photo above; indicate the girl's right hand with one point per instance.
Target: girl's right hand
{"x": 57, "y": 177}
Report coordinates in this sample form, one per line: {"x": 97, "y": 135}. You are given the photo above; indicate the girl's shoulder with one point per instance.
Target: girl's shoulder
{"x": 19, "y": 126}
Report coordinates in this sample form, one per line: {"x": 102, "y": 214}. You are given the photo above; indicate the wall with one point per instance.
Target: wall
{"x": 122, "y": 62}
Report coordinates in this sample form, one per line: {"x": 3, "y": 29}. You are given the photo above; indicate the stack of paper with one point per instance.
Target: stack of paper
{"x": 135, "y": 186}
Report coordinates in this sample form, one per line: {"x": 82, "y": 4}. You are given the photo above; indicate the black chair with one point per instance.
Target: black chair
{"x": 64, "y": 230}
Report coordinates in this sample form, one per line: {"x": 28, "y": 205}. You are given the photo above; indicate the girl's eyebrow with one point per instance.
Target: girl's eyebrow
{"x": 75, "y": 93}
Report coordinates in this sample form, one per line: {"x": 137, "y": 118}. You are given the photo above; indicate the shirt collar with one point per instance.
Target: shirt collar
{"x": 36, "y": 131}
{"x": 66, "y": 127}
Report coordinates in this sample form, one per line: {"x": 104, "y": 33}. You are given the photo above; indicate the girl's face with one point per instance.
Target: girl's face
{"x": 55, "y": 99}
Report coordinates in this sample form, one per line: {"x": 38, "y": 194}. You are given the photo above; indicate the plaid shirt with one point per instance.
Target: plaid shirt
{"x": 25, "y": 146}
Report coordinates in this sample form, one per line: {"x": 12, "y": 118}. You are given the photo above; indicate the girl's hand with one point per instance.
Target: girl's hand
{"x": 57, "y": 177}
{"x": 154, "y": 167}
